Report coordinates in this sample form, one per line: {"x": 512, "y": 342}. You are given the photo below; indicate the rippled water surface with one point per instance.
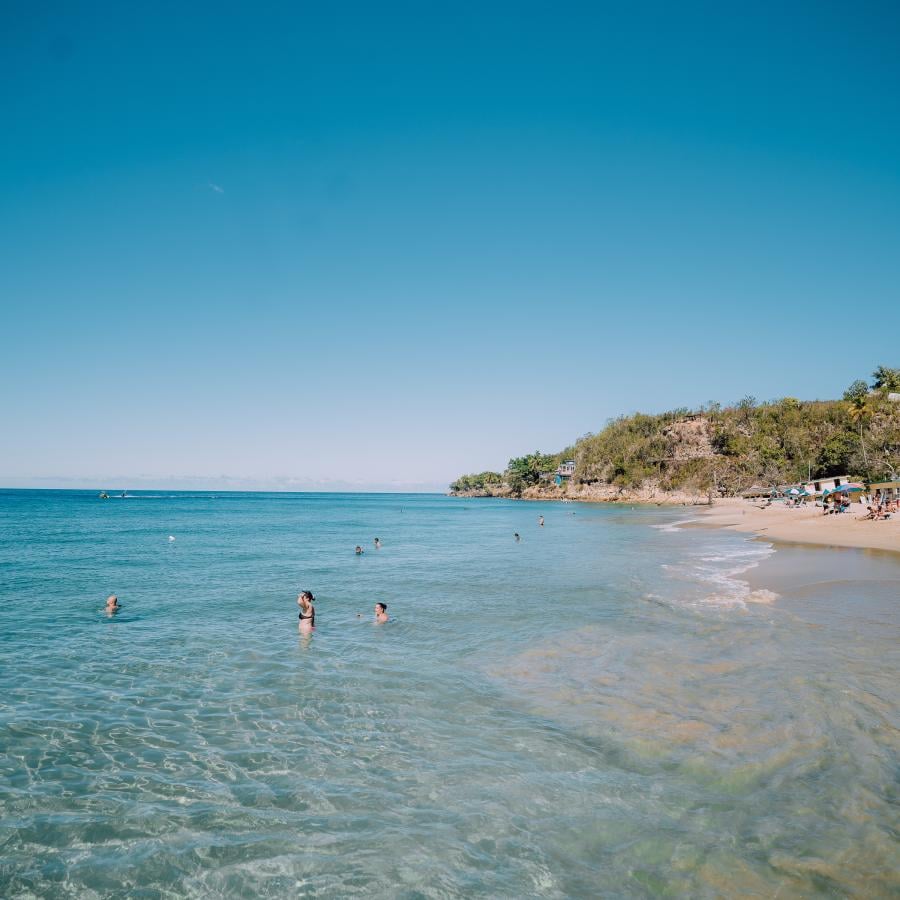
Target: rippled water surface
{"x": 606, "y": 708}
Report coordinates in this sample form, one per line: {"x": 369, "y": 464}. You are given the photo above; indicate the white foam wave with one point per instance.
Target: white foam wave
{"x": 718, "y": 577}
{"x": 673, "y": 526}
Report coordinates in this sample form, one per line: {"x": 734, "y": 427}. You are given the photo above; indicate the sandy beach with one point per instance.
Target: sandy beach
{"x": 805, "y": 525}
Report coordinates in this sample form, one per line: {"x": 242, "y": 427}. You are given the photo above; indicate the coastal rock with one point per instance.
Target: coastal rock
{"x": 649, "y": 492}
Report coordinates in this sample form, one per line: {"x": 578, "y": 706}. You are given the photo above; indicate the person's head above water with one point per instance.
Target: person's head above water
{"x": 359, "y": 550}
{"x": 112, "y": 601}
{"x": 380, "y": 607}
{"x": 306, "y": 596}
{"x": 381, "y": 612}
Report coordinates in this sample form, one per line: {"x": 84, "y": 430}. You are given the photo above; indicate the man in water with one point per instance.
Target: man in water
{"x": 112, "y": 604}
{"x": 377, "y": 544}
{"x": 516, "y": 536}
{"x": 359, "y": 550}
{"x": 541, "y": 521}
{"x": 381, "y": 612}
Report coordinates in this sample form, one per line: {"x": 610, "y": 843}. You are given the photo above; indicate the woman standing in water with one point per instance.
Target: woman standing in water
{"x": 307, "y": 612}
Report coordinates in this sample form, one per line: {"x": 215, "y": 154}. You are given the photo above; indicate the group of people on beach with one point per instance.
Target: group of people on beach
{"x": 881, "y": 508}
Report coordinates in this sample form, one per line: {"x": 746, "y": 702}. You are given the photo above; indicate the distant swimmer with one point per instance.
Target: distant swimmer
{"x": 104, "y": 495}
{"x": 381, "y": 612}
{"x": 377, "y": 544}
{"x": 359, "y": 550}
{"x": 307, "y": 611}
{"x": 112, "y": 604}
{"x": 516, "y": 536}
{"x": 541, "y": 521}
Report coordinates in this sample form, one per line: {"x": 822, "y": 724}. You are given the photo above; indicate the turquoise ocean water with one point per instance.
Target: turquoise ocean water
{"x": 606, "y": 708}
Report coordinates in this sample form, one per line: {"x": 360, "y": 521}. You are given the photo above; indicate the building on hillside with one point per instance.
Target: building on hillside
{"x": 564, "y": 471}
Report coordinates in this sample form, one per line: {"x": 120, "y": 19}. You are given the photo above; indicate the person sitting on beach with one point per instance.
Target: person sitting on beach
{"x": 377, "y": 544}
{"x": 112, "y": 604}
{"x": 359, "y": 550}
{"x": 307, "y": 611}
{"x": 381, "y": 612}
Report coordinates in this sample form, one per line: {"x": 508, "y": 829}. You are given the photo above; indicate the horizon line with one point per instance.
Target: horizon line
{"x": 117, "y": 491}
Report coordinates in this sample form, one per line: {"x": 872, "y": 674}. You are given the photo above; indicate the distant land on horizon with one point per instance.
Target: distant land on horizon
{"x": 117, "y": 484}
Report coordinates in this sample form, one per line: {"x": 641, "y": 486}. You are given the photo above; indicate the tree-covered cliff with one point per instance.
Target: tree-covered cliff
{"x": 725, "y": 449}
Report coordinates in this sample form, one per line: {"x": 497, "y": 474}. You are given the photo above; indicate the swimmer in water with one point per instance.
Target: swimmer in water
{"x": 359, "y": 550}
{"x": 516, "y": 536}
{"x": 541, "y": 521}
{"x": 112, "y": 604}
{"x": 307, "y": 611}
{"x": 381, "y": 612}
{"x": 377, "y": 544}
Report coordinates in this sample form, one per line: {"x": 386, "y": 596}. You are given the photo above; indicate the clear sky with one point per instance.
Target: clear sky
{"x": 380, "y": 245}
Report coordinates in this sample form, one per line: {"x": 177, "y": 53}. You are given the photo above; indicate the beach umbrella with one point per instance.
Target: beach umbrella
{"x": 851, "y": 488}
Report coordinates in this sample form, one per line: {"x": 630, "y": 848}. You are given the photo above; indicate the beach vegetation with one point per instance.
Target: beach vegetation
{"x": 887, "y": 379}
{"x": 724, "y": 449}
{"x": 476, "y": 482}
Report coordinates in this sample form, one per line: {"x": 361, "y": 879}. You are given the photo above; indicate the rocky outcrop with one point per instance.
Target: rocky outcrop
{"x": 689, "y": 438}
{"x": 492, "y": 490}
{"x": 649, "y": 492}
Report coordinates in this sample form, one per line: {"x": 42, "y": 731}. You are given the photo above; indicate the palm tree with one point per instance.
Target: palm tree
{"x": 886, "y": 378}
{"x": 861, "y": 410}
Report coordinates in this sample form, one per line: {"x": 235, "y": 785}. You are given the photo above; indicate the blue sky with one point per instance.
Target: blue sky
{"x": 381, "y": 245}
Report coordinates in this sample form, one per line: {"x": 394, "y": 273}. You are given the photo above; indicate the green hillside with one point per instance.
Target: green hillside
{"x": 726, "y": 449}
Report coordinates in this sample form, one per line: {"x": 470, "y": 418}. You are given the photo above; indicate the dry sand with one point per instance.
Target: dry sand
{"x": 806, "y": 525}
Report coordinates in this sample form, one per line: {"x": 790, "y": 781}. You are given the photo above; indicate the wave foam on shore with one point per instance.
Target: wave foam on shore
{"x": 720, "y": 571}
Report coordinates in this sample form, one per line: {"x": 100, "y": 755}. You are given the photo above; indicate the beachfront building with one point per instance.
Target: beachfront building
{"x": 887, "y": 491}
{"x": 820, "y": 485}
{"x": 564, "y": 471}
{"x": 757, "y": 491}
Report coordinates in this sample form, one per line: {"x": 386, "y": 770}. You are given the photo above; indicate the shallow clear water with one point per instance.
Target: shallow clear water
{"x": 605, "y": 708}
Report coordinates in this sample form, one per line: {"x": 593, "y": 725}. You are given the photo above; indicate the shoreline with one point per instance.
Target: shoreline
{"x": 807, "y": 526}
{"x": 648, "y": 496}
